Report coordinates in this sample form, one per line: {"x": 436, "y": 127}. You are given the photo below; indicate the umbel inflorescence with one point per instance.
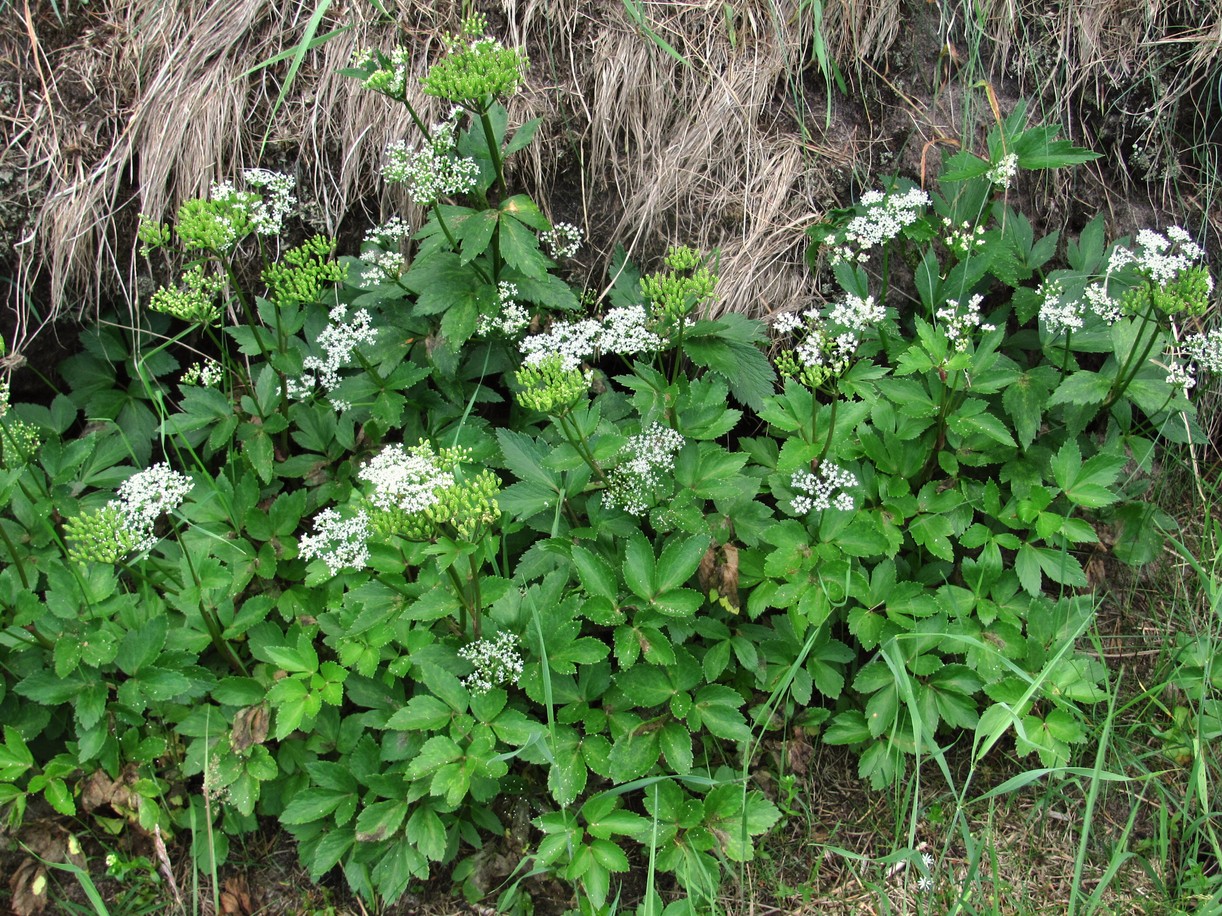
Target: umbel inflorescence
{"x": 125, "y": 526}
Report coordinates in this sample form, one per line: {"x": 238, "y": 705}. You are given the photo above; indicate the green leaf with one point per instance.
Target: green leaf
{"x": 639, "y": 566}
{"x": 1083, "y": 388}
{"x": 633, "y": 755}
{"x": 596, "y": 575}
{"x": 520, "y": 248}
{"x": 678, "y": 562}
{"x": 142, "y": 645}
{"x": 426, "y": 831}
{"x": 380, "y": 821}
{"x": 676, "y": 743}
{"x": 423, "y": 712}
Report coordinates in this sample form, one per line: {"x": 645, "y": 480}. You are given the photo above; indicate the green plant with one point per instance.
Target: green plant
{"x": 412, "y": 552}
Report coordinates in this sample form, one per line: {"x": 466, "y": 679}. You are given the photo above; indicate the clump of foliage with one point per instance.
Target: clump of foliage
{"x": 423, "y": 555}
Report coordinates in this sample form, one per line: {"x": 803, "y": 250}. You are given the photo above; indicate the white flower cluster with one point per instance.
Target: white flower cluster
{"x": 1103, "y": 305}
{"x": 857, "y": 314}
{"x": 433, "y": 170}
{"x": 964, "y": 238}
{"x": 4, "y": 396}
{"x": 885, "y": 216}
{"x": 145, "y": 496}
{"x": 389, "y": 234}
{"x": 1206, "y": 350}
{"x": 646, "y": 458}
{"x": 511, "y": 319}
{"x": 1181, "y": 375}
{"x": 925, "y": 882}
{"x": 391, "y": 80}
{"x": 1004, "y": 171}
{"x": 958, "y": 326}
{"x": 1058, "y": 313}
{"x": 381, "y": 265}
{"x": 622, "y": 330}
{"x": 562, "y": 241}
{"x": 205, "y": 374}
{"x": 406, "y": 479}
{"x": 338, "y": 339}
{"x": 268, "y": 215}
{"x": 819, "y": 490}
{"x": 496, "y": 661}
{"x": 340, "y": 542}
{"x": 1160, "y": 257}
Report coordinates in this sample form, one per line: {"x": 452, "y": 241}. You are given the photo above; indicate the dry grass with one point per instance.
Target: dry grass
{"x": 137, "y": 105}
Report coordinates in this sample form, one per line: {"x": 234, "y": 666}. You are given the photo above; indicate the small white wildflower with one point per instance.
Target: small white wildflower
{"x": 406, "y": 479}
{"x": 622, "y": 330}
{"x": 963, "y": 239}
{"x": 645, "y": 459}
{"x": 267, "y": 215}
{"x": 433, "y": 170}
{"x": 1206, "y": 350}
{"x": 1004, "y": 171}
{"x": 205, "y": 374}
{"x": 1181, "y": 375}
{"x": 338, "y": 340}
{"x": 511, "y": 319}
{"x": 958, "y": 325}
{"x": 152, "y": 492}
{"x": 341, "y": 543}
{"x": 496, "y": 661}
{"x": 924, "y": 883}
{"x": 818, "y": 491}
{"x": 381, "y": 265}
{"x": 562, "y": 241}
{"x": 1058, "y": 314}
{"x": 389, "y": 234}
{"x": 858, "y": 314}
{"x": 885, "y": 217}
{"x": 927, "y": 858}
{"x": 786, "y": 323}
{"x": 1102, "y": 304}
{"x": 341, "y": 405}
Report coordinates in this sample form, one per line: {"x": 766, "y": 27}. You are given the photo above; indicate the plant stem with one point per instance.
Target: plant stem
{"x": 476, "y": 601}
{"x": 494, "y": 150}
{"x": 577, "y": 443}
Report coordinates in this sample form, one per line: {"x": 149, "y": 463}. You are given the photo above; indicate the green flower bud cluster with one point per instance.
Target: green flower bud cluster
{"x": 468, "y": 507}
{"x": 548, "y": 387}
{"x": 682, "y": 289}
{"x": 152, "y": 234}
{"x": 476, "y": 67}
{"x": 1188, "y": 292}
{"x": 195, "y": 302}
{"x": 216, "y": 225}
{"x": 304, "y": 272}
{"x": 102, "y": 535}
{"x": 384, "y": 73}
{"x": 789, "y": 365}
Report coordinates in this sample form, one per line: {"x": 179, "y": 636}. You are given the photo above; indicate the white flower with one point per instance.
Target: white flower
{"x": 341, "y": 543}
{"x": 382, "y": 265}
{"x": 622, "y": 330}
{"x": 389, "y": 234}
{"x": 645, "y": 459}
{"x": 512, "y": 317}
{"x": 152, "y": 492}
{"x": 433, "y": 170}
{"x": 338, "y": 340}
{"x": 1004, "y": 171}
{"x": 406, "y": 479}
{"x": 496, "y": 661}
{"x": 1206, "y": 350}
{"x": 1156, "y": 257}
{"x": 819, "y": 490}
{"x": 205, "y": 374}
{"x": 883, "y": 220}
{"x": 958, "y": 325}
{"x": 786, "y": 323}
{"x": 1058, "y": 314}
{"x": 562, "y": 241}
{"x": 924, "y": 883}
{"x": 1102, "y": 304}
{"x": 1181, "y": 375}
{"x": 267, "y": 216}
{"x": 858, "y": 314}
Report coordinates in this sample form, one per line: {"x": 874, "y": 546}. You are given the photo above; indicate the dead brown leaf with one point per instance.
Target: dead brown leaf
{"x": 249, "y": 727}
